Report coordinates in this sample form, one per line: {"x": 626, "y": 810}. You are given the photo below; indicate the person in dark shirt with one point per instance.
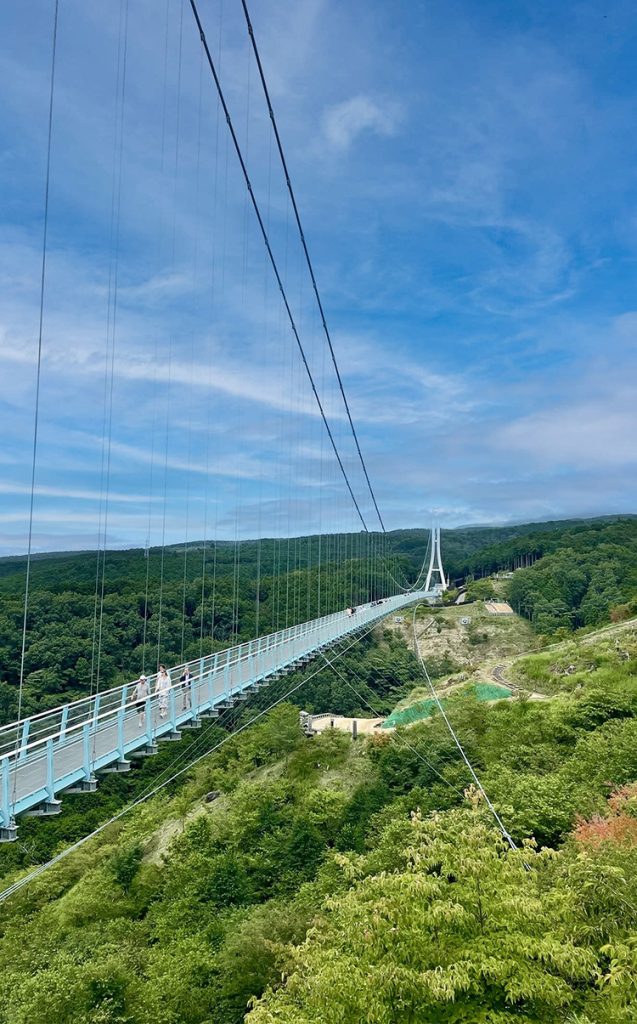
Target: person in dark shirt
{"x": 186, "y": 687}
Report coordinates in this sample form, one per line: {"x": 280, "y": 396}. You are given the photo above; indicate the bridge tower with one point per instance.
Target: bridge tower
{"x": 435, "y": 563}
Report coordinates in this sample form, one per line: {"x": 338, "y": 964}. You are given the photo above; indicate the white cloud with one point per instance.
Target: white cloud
{"x": 596, "y": 434}
{"x": 493, "y": 208}
{"x": 344, "y": 122}
{"x": 80, "y": 494}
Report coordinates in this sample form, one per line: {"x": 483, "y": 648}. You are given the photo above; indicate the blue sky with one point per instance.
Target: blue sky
{"x": 466, "y": 178}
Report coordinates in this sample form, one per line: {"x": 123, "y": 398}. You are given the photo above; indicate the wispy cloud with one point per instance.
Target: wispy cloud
{"x": 344, "y": 122}
{"x": 76, "y": 494}
{"x": 592, "y": 434}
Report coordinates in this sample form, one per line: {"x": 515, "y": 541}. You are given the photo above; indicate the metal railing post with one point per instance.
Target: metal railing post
{"x": 86, "y": 751}
{"x": 149, "y": 720}
{"x": 120, "y": 731}
{"x": 64, "y": 722}
{"x": 261, "y": 646}
{"x": 211, "y": 679}
{"x": 5, "y": 804}
{"x": 23, "y": 741}
{"x": 49, "y": 770}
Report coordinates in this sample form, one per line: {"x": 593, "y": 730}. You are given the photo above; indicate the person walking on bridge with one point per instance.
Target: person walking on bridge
{"x": 162, "y": 689}
{"x": 140, "y": 693}
{"x": 186, "y": 681}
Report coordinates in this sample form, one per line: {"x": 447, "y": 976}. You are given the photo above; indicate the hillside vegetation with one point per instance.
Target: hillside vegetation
{"x": 580, "y": 577}
{"x": 386, "y": 671}
{"x": 182, "y": 602}
{"x": 344, "y": 882}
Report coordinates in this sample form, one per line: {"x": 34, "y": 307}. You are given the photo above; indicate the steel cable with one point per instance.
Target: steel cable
{"x": 273, "y": 262}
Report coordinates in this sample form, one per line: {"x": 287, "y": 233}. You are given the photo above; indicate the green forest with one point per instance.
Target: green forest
{"x": 580, "y": 575}
{"x": 341, "y": 882}
{"x": 331, "y": 880}
{"x": 167, "y": 605}
{"x": 176, "y": 603}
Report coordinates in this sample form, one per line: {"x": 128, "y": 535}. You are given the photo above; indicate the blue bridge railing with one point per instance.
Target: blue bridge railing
{"x": 62, "y": 749}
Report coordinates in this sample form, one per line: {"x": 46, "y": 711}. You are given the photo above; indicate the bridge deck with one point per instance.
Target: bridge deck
{"x": 43, "y": 755}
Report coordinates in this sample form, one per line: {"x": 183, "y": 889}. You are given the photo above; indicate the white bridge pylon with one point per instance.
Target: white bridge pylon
{"x": 435, "y": 564}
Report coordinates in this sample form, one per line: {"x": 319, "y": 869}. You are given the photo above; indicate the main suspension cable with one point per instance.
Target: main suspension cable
{"x": 275, "y": 268}
{"x": 307, "y": 255}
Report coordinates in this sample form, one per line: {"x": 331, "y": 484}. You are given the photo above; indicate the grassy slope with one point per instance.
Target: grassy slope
{"x": 89, "y": 929}
{"x": 458, "y": 654}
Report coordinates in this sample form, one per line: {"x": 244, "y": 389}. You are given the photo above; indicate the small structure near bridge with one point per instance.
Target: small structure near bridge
{"x": 498, "y": 607}
{"x": 312, "y": 724}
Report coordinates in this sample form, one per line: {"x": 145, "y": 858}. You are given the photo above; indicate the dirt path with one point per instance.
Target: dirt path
{"x": 497, "y": 674}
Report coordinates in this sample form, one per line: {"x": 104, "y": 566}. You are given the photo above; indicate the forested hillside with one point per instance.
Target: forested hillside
{"x": 177, "y": 603}
{"x": 339, "y": 882}
{"x": 468, "y": 550}
{"x": 581, "y": 575}
{"x": 332, "y": 880}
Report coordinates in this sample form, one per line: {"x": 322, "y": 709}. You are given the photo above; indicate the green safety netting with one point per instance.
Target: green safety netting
{"x": 423, "y": 708}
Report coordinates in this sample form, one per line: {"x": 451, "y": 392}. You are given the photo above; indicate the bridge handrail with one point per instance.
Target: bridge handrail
{"x": 242, "y": 651}
{"x": 102, "y": 693}
{"x": 176, "y": 668}
{"x": 110, "y": 713}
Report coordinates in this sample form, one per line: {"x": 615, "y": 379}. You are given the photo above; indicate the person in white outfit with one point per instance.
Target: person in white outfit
{"x": 162, "y": 689}
{"x": 140, "y": 693}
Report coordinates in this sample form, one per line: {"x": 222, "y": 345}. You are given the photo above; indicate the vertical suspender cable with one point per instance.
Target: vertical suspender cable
{"x": 107, "y": 361}
{"x": 38, "y": 375}
{"x": 112, "y": 367}
{"x": 171, "y": 338}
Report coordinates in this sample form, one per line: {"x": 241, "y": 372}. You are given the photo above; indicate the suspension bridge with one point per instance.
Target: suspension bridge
{"x": 63, "y": 749}
{"x": 217, "y": 233}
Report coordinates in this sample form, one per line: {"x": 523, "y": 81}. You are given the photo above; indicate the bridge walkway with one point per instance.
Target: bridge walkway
{"x": 62, "y": 749}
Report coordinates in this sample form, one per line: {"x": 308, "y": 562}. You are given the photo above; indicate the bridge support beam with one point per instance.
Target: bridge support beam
{"x": 172, "y": 736}
{"x": 84, "y": 786}
{"x": 117, "y": 768}
{"x": 8, "y": 833}
{"x": 148, "y": 751}
{"x": 47, "y": 809}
